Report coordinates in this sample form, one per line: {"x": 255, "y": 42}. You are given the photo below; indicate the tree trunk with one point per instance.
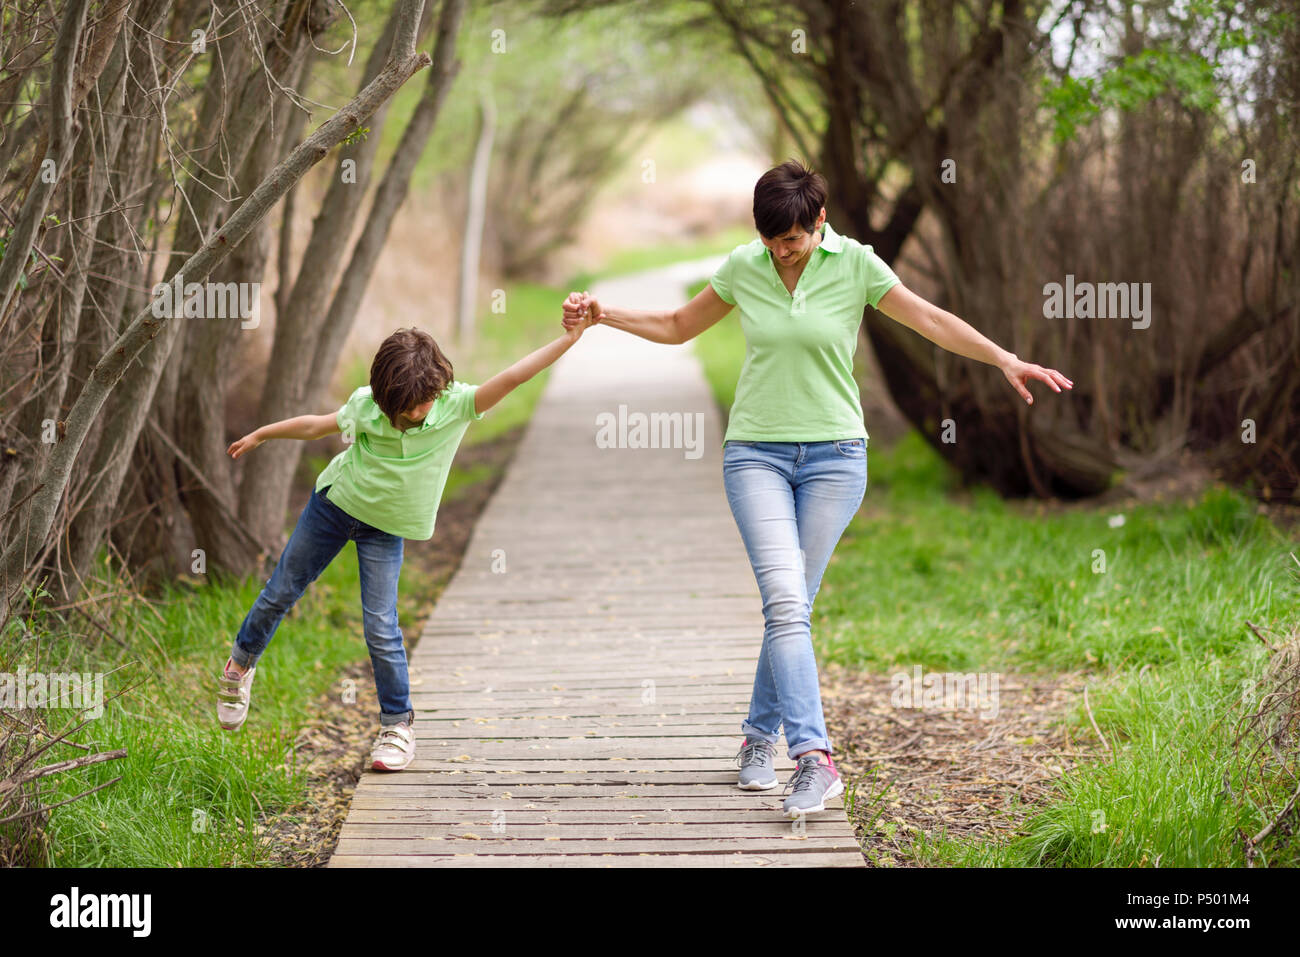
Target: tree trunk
{"x": 475, "y": 213}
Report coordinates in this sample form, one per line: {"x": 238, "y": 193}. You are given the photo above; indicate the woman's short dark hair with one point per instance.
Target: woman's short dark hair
{"x": 409, "y": 370}
{"x": 788, "y": 195}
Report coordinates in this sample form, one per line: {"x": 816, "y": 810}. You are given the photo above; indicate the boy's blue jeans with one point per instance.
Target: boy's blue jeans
{"x": 321, "y": 532}
{"x": 791, "y": 501}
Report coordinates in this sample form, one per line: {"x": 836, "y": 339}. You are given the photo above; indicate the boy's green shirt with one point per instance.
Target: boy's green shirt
{"x": 797, "y": 382}
{"x": 392, "y": 479}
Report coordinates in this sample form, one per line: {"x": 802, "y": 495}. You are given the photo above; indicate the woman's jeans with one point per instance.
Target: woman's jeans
{"x": 322, "y": 531}
{"x": 792, "y": 501}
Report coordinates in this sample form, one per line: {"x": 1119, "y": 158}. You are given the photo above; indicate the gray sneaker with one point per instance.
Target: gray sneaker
{"x": 755, "y": 760}
{"x": 814, "y": 784}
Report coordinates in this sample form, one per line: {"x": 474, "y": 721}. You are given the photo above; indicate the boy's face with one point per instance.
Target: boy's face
{"x": 415, "y": 416}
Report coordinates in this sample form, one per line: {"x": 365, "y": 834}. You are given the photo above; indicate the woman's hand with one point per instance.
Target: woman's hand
{"x": 1019, "y": 373}
{"x": 580, "y": 307}
{"x": 249, "y": 442}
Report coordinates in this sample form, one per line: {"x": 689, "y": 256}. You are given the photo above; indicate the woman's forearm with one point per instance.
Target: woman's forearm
{"x": 957, "y": 336}
{"x": 656, "y": 325}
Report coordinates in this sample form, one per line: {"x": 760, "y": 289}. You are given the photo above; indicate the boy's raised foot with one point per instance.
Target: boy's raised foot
{"x": 234, "y": 692}
{"x": 394, "y": 749}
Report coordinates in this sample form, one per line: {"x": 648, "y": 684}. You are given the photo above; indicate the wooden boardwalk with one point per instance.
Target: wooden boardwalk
{"x": 580, "y": 685}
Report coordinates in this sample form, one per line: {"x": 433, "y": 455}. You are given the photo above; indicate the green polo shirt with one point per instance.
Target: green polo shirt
{"x": 797, "y": 382}
{"x": 393, "y": 479}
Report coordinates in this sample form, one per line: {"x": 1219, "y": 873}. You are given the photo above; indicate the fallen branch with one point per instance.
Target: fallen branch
{"x": 69, "y": 765}
{"x": 1260, "y": 636}
{"x": 50, "y": 807}
{"x": 1253, "y": 843}
{"x": 1094, "y": 721}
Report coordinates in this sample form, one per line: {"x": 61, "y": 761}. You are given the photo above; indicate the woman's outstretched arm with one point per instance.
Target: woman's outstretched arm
{"x": 949, "y": 332}
{"x": 668, "y": 326}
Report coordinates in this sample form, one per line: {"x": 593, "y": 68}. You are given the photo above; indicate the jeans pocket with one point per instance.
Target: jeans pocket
{"x": 852, "y": 448}
{"x": 329, "y": 506}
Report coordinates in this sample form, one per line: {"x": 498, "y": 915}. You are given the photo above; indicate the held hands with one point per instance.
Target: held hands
{"x": 581, "y": 311}
{"x": 246, "y": 444}
{"x": 1019, "y": 373}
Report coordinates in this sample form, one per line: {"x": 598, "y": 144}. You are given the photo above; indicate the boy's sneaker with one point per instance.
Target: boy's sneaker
{"x": 814, "y": 784}
{"x": 233, "y": 695}
{"x": 394, "y": 749}
{"x": 755, "y": 760}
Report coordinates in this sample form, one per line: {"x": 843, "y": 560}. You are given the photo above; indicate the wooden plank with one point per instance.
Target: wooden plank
{"x": 566, "y": 774}
{"x": 641, "y": 859}
{"x": 789, "y": 844}
{"x": 579, "y": 810}
{"x": 414, "y": 785}
{"x": 509, "y": 830}
{"x": 507, "y": 815}
{"x": 680, "y": 769}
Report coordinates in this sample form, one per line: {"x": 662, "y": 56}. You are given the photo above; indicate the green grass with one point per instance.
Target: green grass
{"x": 1153, "y": 611}
{"x": 970, "y": 583}
{"x": 190, "y": 793}
{"x": 953, "y": 582}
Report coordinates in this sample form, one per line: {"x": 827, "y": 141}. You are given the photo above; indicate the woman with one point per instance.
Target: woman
{"x": 794, "y": 459}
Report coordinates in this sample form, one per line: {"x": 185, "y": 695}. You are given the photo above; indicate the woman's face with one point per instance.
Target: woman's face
{"x": 794, "y": 245}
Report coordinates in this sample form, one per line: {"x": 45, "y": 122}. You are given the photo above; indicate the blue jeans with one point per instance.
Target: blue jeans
{"x": 791, "y": 501}
{"x": 321, "y": 532}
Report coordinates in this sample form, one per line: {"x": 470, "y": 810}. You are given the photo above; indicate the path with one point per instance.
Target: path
{"x": 580, "y": 685}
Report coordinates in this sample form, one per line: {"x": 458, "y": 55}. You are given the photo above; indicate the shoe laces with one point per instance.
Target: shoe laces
{"x": 757, "y": 752}
{"x": 805, "y": 776}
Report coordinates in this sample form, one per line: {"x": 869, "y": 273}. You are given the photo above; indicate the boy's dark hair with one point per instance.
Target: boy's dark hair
{"x": 409, "y": 370}
{"x": 788, "y": 195}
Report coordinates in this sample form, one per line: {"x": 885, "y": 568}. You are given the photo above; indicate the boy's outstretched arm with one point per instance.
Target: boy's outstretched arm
{"x": 304, "y": 427}
{"x": 503, "y": 383}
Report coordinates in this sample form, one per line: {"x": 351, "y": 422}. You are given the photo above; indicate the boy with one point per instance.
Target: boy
{"x": 403, "y": 430}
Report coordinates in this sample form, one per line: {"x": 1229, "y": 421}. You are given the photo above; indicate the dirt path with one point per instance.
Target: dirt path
{"x": 954, "y": 772}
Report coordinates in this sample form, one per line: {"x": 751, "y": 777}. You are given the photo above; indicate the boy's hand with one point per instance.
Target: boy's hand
{"x": 246, "y": 444}
{"x": 580, "y": 309}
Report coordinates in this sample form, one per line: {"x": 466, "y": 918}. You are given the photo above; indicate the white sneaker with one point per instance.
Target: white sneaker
{"x": 233, "y": 696}
{"x": 394, "y": 749}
